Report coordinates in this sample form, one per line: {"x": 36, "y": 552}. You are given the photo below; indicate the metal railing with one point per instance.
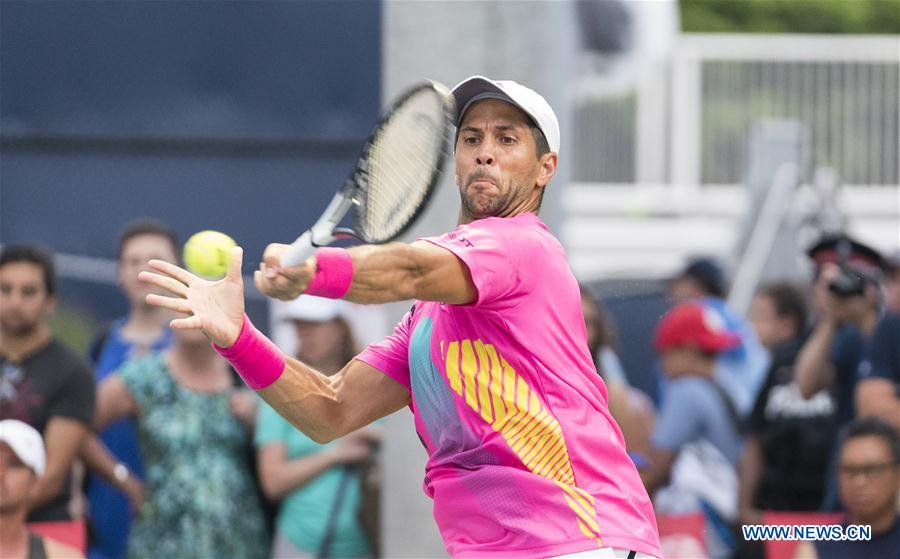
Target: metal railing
{"x": 844, "y": 89}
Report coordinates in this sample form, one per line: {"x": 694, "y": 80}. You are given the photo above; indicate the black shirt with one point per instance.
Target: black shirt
{"x": 883, "y": 357}
{"x": 51, "y": 382}
{"x": 885, "y": 544}
{"x": 795, "y": 436}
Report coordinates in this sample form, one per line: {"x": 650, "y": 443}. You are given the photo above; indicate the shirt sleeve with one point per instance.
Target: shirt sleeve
{"x": 76, "y": 399}
{"x": 391, "y": 355}
{"x": 883, "y": 356}
{"x": 487, "y": 249}
{"x": 679, "y": 421}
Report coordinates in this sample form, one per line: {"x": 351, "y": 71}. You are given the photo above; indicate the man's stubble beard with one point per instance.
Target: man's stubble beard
{"x": 18, "y": 331}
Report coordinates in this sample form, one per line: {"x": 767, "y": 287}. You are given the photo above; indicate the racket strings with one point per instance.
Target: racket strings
{"x": 401, "y": 163}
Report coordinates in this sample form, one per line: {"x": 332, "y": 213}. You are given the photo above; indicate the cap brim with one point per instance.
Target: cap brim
{"x": 466, "y": 91}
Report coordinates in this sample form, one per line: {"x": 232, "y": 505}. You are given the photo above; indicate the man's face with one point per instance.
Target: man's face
{"x": 843, "y": 309}
{"x": 24, "y": 301}
{"x": 868, "y": 478}
{"x": 320, "y": 342}
{"x": 685, "y": 289}
{"x": 16, "y": 480}
{"x": 136, "y": 253}
{"x": 497, "y": 168}
{"x": 678, "y": 361}
{"x": 770, "y": 328}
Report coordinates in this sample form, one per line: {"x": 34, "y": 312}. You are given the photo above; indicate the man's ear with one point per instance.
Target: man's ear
{"x": 50, "y": 305}
{"x": 547, "y": 163}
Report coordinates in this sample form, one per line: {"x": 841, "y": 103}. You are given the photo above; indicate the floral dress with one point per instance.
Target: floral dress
{"x": 201, "y": 501}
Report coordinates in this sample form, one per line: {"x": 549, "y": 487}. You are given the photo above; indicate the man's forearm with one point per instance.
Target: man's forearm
{"x": 308, "y": 400}
{"x": 98, "y": 459}
{"x": 813, "y": 370}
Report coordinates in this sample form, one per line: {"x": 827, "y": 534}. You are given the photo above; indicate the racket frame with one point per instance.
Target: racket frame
{"x": 325, "y": 230}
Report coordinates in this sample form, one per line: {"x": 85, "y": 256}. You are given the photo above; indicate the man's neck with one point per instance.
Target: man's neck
{"x": 13, "y": 534}
{"x": 195, "y": 358}
{"x": 145, "y": 323}
{"x": 16, "y": 348}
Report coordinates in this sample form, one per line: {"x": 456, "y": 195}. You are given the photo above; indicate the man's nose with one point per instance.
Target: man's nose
{"x": 485, "y": 155}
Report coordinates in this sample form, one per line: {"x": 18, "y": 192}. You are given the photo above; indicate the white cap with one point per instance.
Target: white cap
{"x": 26, "y": 442}
{"x": 476, "y": 88}
{"x": 314, "y": 309}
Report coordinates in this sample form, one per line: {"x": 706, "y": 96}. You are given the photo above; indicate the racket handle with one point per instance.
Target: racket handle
{"x": 299, "y": 251}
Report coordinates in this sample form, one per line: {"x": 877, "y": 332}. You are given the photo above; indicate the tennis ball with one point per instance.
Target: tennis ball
{"x": 207, "y": 253}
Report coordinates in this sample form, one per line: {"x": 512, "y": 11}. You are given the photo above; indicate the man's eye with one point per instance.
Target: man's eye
{"x": 472, "y": 140}
{"x": 508, "y": 140}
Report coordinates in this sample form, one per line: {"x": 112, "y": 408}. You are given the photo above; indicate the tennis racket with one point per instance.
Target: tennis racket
{"x": 395, "y": 176}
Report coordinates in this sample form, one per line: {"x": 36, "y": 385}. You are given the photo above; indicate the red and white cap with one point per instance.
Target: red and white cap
{"x": 26, "y": 442}
{"x": 476, "y": 88}
{"x": 693, "y": 324}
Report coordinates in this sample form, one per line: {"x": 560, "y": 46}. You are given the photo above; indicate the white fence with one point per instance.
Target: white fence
{"x": 688, "y": 123}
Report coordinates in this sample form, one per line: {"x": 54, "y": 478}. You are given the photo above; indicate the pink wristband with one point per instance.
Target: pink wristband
{"x": 334, "y": 273}
{"x": 254, "y": 357}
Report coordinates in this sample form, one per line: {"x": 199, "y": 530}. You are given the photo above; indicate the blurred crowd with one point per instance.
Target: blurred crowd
{"x": 154, "y": 443}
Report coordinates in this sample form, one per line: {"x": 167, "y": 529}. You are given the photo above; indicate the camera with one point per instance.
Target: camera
{"x": 848, "y": 283}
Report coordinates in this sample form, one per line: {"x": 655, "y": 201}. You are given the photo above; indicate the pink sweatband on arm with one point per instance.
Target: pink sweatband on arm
{"x": 254, "y": 357}
{"x": 334, "y": 273}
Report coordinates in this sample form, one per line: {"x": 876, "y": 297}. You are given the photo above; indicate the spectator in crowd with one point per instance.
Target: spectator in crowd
{"x": 22, "y": 463}
{"x": 319, "y": 486}
{"x": 44, "y": 384}
{"x": 847, "y": 301}
{"x": 193, "y": 427}
{"x": 846, "y": 298}
{"x": 878, "y": 391}
{"x": 143, "y": 330}
{"x": 697, "y": 441}
{"x": 742, "y": 369}
{"x": 869, "y": 480}
{"x": 631, "y": 408}
{"x": 787, "y": 436}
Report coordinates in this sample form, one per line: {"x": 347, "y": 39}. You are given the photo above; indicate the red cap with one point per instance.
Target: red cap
{"x": 692, "y": 324}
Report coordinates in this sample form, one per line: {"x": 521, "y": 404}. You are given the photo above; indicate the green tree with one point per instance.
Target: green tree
{"x": 791, "y": 16}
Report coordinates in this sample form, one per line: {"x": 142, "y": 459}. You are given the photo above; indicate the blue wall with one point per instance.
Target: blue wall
{"x": 236, "y": 116}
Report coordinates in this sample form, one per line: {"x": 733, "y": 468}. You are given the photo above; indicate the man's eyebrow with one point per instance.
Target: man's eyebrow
{"x": 500, "y": 127}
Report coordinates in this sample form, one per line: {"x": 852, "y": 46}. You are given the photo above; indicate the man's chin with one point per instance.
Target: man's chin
{"x": 17, "y": 329}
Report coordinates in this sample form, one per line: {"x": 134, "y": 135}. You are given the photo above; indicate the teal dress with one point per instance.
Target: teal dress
{"x": 201, "y": 500}
{"x": 304, "y": 513}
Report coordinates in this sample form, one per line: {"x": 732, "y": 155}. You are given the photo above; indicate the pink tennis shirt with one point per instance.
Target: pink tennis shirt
{"x": 525, "y": 459}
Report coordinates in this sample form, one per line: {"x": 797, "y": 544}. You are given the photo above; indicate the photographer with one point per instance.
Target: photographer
{"x": 847, "y": 301}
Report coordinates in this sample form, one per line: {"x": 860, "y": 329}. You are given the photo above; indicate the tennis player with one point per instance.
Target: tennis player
{"x": 525, "y": 459}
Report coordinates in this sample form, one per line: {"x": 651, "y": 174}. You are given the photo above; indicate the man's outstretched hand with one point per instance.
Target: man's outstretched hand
{"x": 215, "y": 307}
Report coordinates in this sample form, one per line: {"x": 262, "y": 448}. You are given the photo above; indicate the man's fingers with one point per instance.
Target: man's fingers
{"x": 272, "y": 255}
{"x": 234, "y": 264}
{"x": 165, "y": 282}
{"x": 171, "y": 303}
{"x": 189, "y": 323}
{"x": 172, "y": 270}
